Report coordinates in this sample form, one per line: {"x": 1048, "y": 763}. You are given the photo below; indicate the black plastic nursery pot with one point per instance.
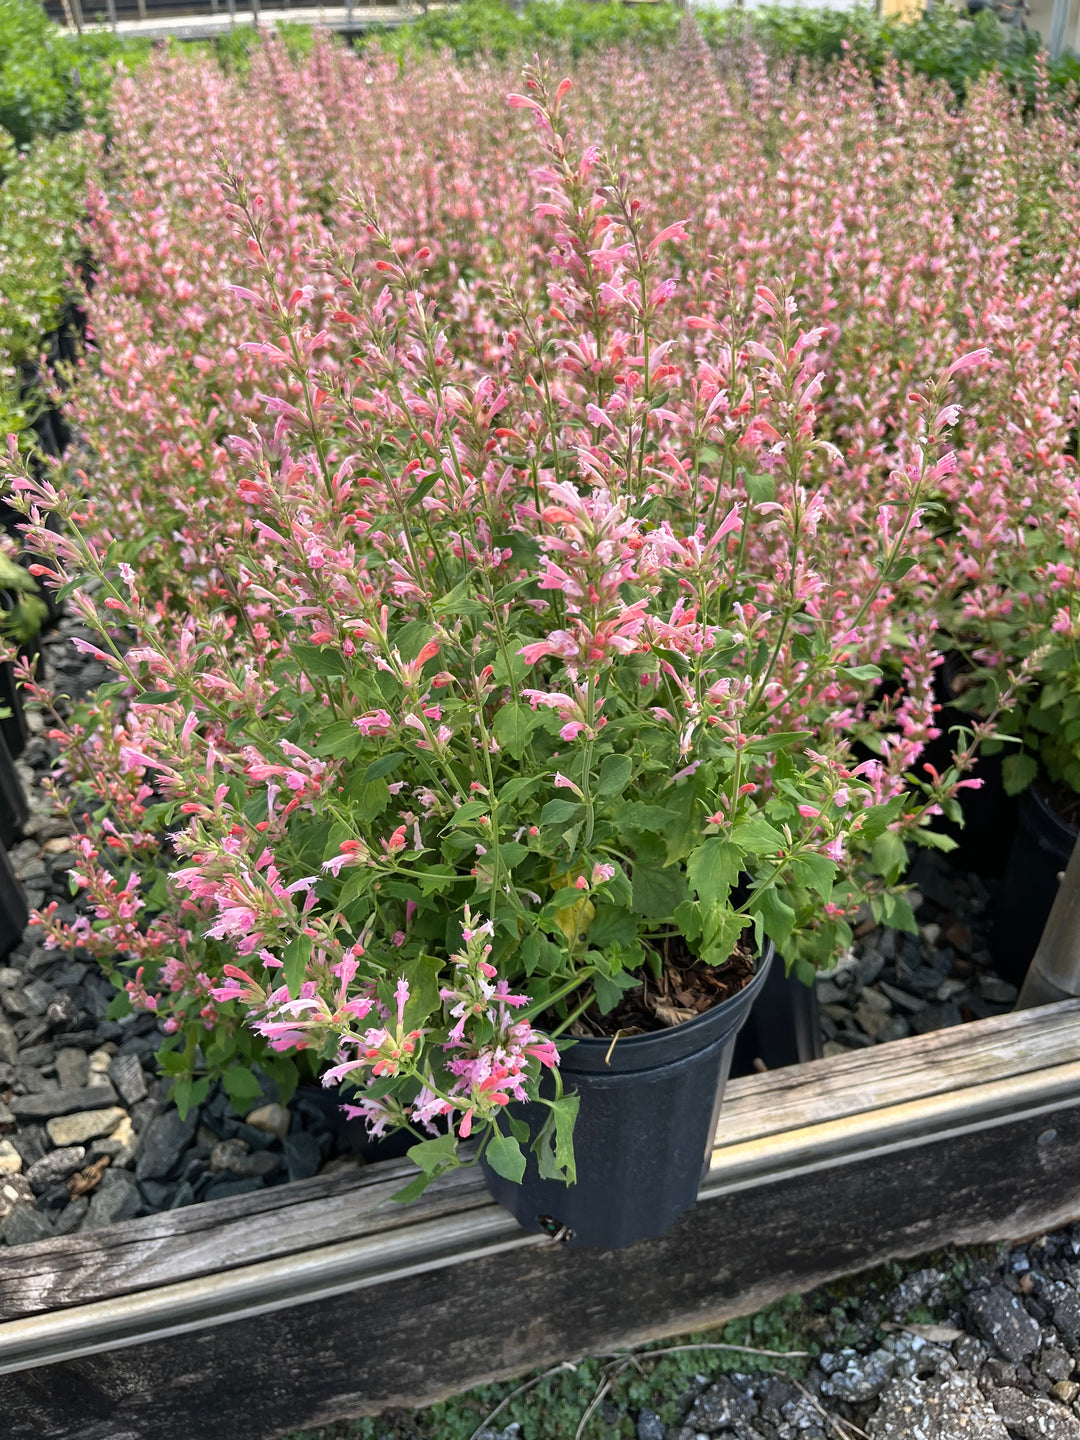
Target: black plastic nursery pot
{"x": 783, "y": 1028}
{"x": 990, "y": 815}
{"x": 648, "y": 1111}
{"x": 12, "y": 727}
{"x": 1040, "y": 851}
{"x": 13, "y": 807}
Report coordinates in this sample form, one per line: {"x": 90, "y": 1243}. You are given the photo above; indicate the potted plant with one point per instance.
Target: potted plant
{"x": 521, "y": 731}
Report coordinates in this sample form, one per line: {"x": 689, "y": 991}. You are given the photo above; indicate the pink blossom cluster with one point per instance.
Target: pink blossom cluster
{"x": 468, "y": 530}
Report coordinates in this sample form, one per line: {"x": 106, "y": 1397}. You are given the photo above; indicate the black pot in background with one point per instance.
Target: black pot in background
{"x": 353, "y": 1134}
{"x": 784, "y": 1026}
{"x": 644, "y": 1132}
{"x": 1040, "y": 851}
{"x": 14, "y": 810}
{"x": 13, "y": 909}
{"x": 13, "y": 728}
{"x": 990, "y": 815}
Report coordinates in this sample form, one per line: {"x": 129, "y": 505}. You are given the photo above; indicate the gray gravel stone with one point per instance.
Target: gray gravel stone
{"x": 86, "y": 1125}
{"x": 164, "y": 1141}
{"x": 55, "y": 1167}
{"x": 856, "y": 1377}
{"x": 946, "y": 1407}
{"x": 72, "y": 1215}
{"x": 1063, "y": 1303}
{"x": 721, "y": 1407}
{"x": 126, "y": 1073}
{"x": 302, "y": 1155}
{"x": 71, "y": 1068}
{"x": 50, "y": 1103}
{"x": 649, "y": 1425}
{"x": 116, "y": 1198}
{"x": 24, "y": 1225}
{"x": 1003, "y": 1322}
{"x": 1031, "y": 1417}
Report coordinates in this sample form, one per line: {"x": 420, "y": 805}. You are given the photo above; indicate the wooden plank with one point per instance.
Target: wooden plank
{"x": 938, "y": 1063}
{"x": 802, "y": 1116}
{"x": 415, "y": 1338}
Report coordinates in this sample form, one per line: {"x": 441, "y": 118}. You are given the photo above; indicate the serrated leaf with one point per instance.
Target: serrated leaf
{"x": 434, "y": 1156}
{"x": 713, "y": 868}
{"x": 657, "y": 892}
{"x": 888, "y": 856}
{"x": 816, "y": 872}
{"x": 1017, "y": 772}
{"x": 555, "y": 1143}
{"x": 755, "y": 836}
{"x": 513, "y": 726}
{"x": 777, "y": 914}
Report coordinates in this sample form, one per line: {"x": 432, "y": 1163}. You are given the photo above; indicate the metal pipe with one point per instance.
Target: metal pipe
{"x": 1059, "y": 24}
{"x": 1054, "y": 973}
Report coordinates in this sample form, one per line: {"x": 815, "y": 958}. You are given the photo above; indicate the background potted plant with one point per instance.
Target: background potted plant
{"x": 525, "y": 709}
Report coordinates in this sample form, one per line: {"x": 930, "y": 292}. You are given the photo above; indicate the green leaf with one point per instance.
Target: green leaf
{"x": 504, "y": 1156}
{"x": 713, "y": 869}
{"x": 614, "y": 776}
{"x": 721, "y": 929}
{"x": 415, "y": 1188}
{"x": 888, "y": 856}
{"x": 1017, "y": 773}
{"x": 385, "y": 765}
{"x": 901, "y": 916}
{"x": 156, "y": 697}
{"x": 317, "y": 661}
{"x": 816, "y": 872}
{"x": 434, "y": 1156}
{"x": 558, "y": 812}
{"x": 295, "y": 961}
{"x": 242, "y": 1088}
{"x": 638, "y": 816}
{"x": 471, "y": 810}
{"x": 768, "y": 744}
{"x": 658, "y": 892}
{"x": 119, "y": 1005}
{"x": 755, "y": 836}
{"x": 555, "y": 1143}
{"x": 777, "y": 914}
{"x": 611, "y": 988}
{"x": 760, "y": 489}
{"x": 513, "y": 726}
{"x": 422, "y": 977}
{"x": 859, "y": 673}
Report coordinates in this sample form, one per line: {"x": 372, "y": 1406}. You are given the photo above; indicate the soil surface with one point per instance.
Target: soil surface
{"x": 685, "y": 990}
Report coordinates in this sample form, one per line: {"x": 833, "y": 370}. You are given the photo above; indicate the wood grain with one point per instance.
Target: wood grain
{"x": 228, "y": 1234}
{"x": 424, "y": 1336}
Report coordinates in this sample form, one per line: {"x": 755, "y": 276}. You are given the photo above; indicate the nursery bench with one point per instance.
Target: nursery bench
{"x": 255, "y": 1315}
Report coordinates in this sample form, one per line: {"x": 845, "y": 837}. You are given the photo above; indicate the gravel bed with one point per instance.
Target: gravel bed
{"x": 86, "y": 1135}
{"x": 894, "y": 984}
{"x": 975, "y": 1344}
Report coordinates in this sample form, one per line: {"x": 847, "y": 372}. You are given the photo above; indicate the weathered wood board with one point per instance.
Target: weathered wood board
{"x": 250, "y": 1317}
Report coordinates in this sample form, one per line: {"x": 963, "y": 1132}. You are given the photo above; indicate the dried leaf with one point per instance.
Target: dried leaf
{"x": 88, "y": 1179}
{"x": 936, "y": 1334}
{"x": 672, "y": 1014}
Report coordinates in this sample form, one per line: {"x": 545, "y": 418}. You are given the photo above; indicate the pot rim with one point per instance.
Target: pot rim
{"x": 611, "y": 1055}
